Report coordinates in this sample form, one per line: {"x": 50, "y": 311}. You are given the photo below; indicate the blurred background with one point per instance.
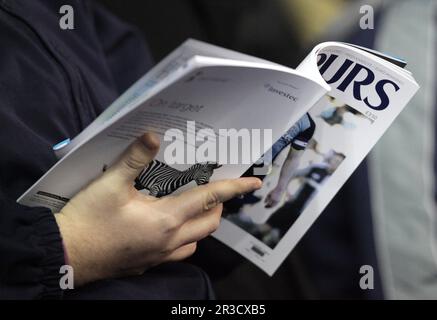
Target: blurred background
{"x": 385, "y": 216}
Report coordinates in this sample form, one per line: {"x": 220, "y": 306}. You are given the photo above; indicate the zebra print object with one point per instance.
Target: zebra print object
{"x": 161, "y": 179}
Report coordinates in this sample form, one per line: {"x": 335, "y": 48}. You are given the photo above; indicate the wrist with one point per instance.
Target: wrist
{"x": 72, "y": 255}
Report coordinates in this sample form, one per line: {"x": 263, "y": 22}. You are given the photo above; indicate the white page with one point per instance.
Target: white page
{"x": 156, "y": 79}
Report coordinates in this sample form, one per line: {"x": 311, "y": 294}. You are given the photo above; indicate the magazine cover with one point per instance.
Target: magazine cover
{"x": 314, "y": 158}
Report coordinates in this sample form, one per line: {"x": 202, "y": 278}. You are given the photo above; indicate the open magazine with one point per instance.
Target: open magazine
{"x": 221, "y": 114}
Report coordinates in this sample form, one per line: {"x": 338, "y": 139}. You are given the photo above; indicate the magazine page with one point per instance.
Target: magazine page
{"x": 317, "y": 154}
{"x": 159, "y": 77}
{"x": 215, "y": 118}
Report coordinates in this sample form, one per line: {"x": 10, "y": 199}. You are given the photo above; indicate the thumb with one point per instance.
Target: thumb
{"x": 139, "y": 154}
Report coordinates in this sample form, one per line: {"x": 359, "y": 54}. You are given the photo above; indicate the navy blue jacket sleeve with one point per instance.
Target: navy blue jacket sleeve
{"x": 127, "y": 56}
{"x": 50, "y": 90}
{"x": 31, "y": 251}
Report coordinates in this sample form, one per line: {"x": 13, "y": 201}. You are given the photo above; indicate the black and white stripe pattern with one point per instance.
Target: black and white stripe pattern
{"x": 161, "y": 179}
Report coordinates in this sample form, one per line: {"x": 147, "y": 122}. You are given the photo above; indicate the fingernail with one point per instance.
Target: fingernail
{"x": 255, "y": 182}
{"x": 150, "y": 140}
{"x": 258, "y": 183}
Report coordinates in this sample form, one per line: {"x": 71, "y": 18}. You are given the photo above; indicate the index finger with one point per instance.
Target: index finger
{"x": 202, "y": 198}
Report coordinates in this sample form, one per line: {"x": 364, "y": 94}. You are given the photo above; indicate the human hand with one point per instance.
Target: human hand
{"x": 110, "y": 229}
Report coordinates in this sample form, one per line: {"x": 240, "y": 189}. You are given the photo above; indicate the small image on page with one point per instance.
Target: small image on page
{"x": 302, "y": 161}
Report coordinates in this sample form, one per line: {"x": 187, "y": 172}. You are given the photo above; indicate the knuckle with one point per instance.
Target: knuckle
{"x": 136, "y": 156}
{"x": 169, "y": 223}
{"x": 133, "y": 162}
{"x": 211, "y": 200}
